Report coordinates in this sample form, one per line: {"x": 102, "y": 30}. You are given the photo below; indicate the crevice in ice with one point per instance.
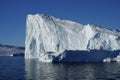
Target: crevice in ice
{"x": 32, "y": 47}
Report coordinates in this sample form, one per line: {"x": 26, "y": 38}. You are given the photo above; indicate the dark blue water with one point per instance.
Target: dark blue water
{"x": 17, "y": 68}
{"x": 12, "y": 68}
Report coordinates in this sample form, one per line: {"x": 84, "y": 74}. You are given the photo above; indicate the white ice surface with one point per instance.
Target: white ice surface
{"x": 49, "y": 34}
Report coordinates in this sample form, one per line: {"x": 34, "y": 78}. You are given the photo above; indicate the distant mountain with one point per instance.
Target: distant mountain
{"x": 9, "y": 50}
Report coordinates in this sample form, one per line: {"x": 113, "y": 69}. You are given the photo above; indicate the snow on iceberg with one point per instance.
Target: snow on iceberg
{"x": 50, "y": 39}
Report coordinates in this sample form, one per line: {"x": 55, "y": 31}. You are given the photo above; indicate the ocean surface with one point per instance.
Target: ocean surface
{"x": 18, "y": 68}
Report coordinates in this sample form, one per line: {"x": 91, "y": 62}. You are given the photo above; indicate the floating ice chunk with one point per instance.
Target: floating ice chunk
{"x": 107, "y": 60}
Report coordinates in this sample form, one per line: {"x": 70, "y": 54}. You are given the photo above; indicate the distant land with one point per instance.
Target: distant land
{"x": 10, "y": 50}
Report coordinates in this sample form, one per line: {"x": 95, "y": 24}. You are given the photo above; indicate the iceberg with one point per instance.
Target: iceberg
{"x": 51, "y": 39}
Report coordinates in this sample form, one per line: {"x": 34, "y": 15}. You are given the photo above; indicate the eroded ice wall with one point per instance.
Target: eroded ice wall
{"x": 48, "y": 34}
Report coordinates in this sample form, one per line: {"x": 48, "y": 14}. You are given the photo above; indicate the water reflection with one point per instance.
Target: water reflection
{"x": 36, "y": 70}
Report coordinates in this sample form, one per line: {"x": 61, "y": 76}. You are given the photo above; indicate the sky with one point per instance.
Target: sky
{"x": 105, "y": 13}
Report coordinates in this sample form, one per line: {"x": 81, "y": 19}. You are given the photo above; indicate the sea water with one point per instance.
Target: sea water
{"x": 18, "y": 68}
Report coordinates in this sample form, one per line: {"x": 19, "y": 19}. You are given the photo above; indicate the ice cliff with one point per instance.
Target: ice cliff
{"x": 48, "y": 37}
